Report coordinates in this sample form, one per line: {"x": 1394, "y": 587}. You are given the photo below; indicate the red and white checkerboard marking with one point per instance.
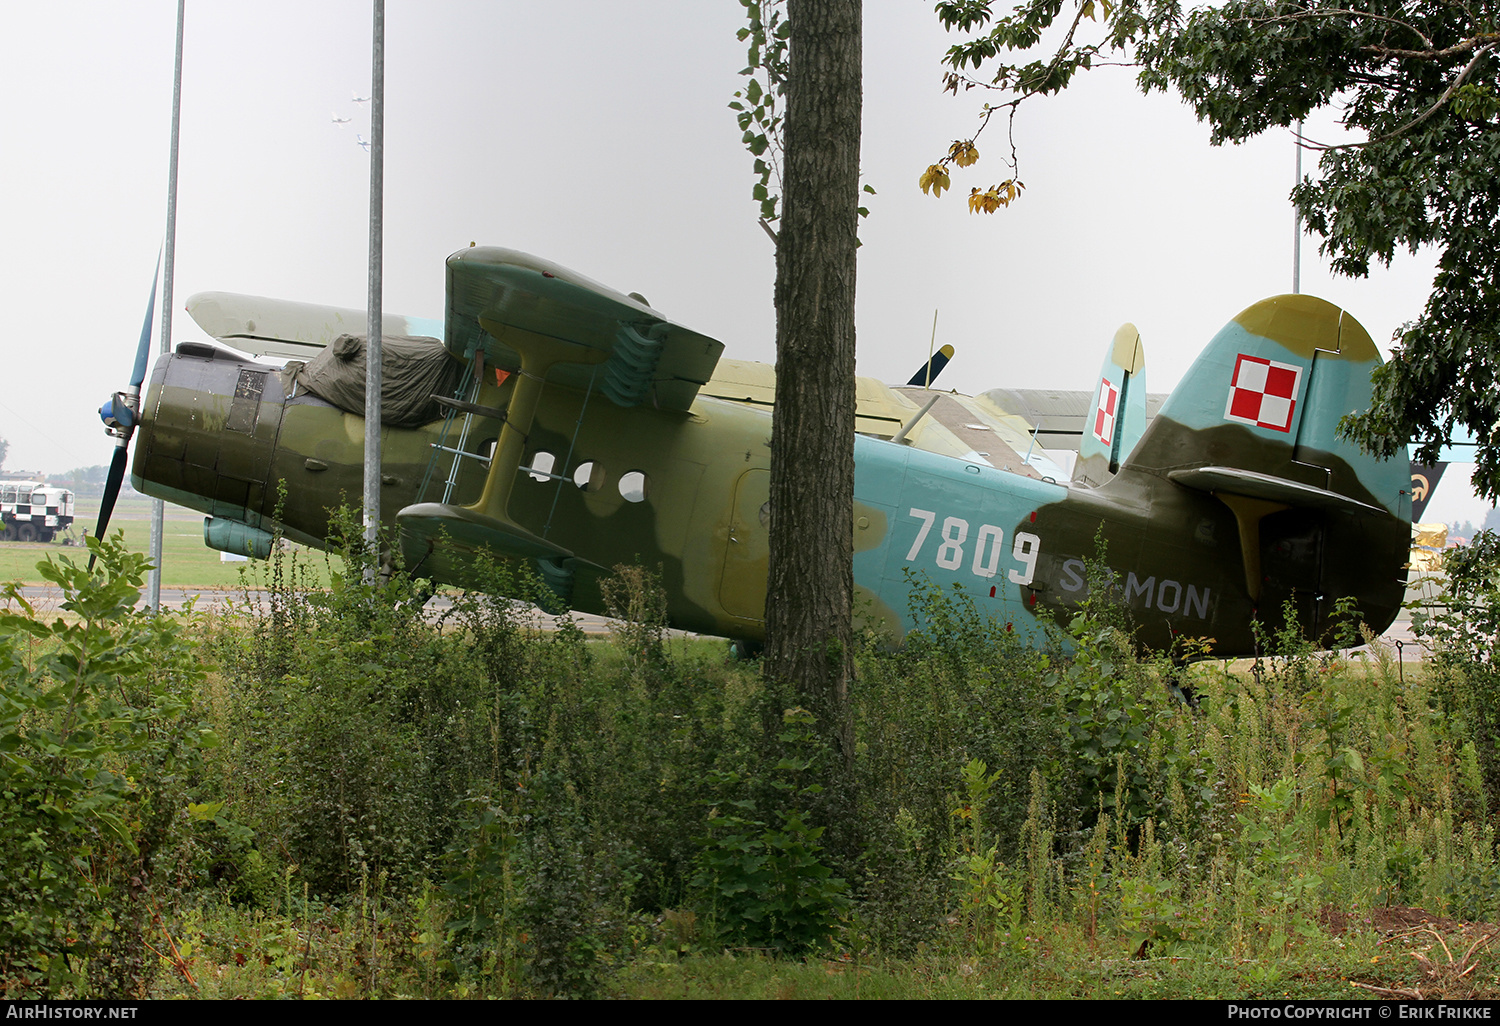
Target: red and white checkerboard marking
{"x": 1104, "y": 415}
{"x": 1263, "y": 393}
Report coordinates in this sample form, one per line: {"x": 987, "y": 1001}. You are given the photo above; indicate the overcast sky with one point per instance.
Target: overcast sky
{"x": 597, "y": 134}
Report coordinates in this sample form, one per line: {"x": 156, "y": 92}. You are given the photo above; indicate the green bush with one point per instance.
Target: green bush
{"x": 100, "y": 747}
{"x": 408, "y": 803}
{"x": 761, "y": 873}
{"x": 1463, "y": 627}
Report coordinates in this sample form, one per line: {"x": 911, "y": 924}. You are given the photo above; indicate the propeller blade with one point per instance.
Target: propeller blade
{"x": 119, "y": 415}
{"x": 928, "y": 372}
{"x": 111, "y": 493}
{"x": 143, "y": 351}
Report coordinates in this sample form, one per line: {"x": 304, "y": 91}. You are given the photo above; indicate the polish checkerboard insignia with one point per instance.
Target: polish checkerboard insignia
{"x": 1104, "y": 415}
{"x": 1263, "y": 393}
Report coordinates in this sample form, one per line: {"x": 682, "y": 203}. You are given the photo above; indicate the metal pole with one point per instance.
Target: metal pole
{"x": 1297, "y": 222}
{"x": 158, "y": 508}
{"x": 373, "y": 314}
{"x": 931, "y": 343}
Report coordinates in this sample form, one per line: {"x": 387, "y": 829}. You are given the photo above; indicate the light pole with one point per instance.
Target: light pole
{"x": 373, "y": 327}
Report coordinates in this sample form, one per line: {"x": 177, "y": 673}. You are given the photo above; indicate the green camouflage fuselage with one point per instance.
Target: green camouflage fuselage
{"x": 1210, "y": 522}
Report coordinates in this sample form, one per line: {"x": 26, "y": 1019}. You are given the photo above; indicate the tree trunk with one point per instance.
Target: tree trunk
{"x": 809, "y": 606}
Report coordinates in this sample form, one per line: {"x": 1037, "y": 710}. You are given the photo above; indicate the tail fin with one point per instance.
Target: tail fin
{"x": 1255, "y": 424}
{"x": 1117, "y": 417}
{"x": 1264, "y": 400}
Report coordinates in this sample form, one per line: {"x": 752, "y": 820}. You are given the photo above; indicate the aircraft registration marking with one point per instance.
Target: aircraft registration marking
{"x": 988, "y": 546}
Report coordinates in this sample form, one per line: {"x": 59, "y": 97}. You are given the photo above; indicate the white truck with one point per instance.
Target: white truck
{"x": 32, "y": 511}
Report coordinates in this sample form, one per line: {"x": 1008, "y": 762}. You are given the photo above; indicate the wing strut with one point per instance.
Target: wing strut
{"x": 452, "y": 534}
{"x": 539, "y": 354}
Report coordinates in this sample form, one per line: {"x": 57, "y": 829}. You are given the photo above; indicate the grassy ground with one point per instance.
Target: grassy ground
{"x": 381, "y": 805}
{"x": 324, "y": 951}
{"x": 186, "y": 561}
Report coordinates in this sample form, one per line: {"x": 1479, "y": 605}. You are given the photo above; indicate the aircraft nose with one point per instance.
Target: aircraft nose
{"x": 206, "y": 438}
{"x": 117, "y": 414}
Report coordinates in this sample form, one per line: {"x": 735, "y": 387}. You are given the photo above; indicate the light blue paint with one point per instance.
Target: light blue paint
{"x": 976, "y": 514}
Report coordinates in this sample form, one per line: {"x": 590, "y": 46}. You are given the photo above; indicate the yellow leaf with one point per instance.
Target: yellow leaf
{"x": 934, "y": 180}
{"x": 963, "y": 153}
{"x": 993, "y": 198}
{"x": 1088, "y": 9}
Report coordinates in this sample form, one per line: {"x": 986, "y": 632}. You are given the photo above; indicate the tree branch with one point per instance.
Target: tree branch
{"x": 1484, "y": 38}
{"x": 1067, "y": 43}
{"x": 1429, "y": 112}
{"x": 1339, "y": 12}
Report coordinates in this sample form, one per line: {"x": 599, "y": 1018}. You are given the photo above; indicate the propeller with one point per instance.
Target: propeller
{"x": 928, "y": 372}
{"x": 120, "y": 414}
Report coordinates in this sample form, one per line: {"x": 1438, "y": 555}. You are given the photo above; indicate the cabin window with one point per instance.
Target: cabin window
{"x": 589, "y": 477}
{"x": 633, "y": 486}
{"x": 541, "y": 465}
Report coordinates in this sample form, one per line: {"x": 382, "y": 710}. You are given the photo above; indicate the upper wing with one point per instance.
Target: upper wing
{"x": 515, "y": 294}
{"x": 878, "y": 410}
{"x": 1059, "y": 416}
{"x": 298, "y": 331}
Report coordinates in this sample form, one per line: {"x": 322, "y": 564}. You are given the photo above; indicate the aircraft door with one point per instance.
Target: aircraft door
{"x": 747, "y": 554}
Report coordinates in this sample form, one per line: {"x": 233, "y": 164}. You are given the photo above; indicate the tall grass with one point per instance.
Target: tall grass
{"x": 403, "y": 805}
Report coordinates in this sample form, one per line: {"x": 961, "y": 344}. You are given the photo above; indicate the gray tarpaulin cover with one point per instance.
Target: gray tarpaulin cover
{"x": 412, "y": 371}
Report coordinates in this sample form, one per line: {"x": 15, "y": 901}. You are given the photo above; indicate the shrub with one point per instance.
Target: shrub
{"x": 100, "y": 744}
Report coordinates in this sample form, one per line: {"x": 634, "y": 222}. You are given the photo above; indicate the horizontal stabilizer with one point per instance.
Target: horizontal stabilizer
{"x": 1059, "y": 417}
{"x": 1230, "y": 481}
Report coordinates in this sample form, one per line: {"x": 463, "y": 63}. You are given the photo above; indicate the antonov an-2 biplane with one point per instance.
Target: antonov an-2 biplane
{"x": 567, "y": 426}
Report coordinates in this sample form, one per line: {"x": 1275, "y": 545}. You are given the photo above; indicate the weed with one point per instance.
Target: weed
{"x": 763, "y": 880}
